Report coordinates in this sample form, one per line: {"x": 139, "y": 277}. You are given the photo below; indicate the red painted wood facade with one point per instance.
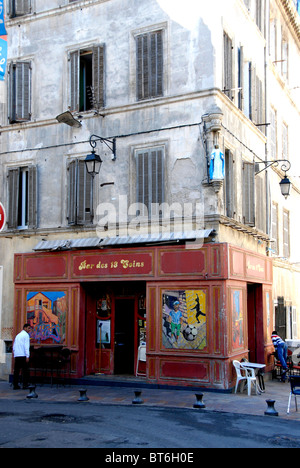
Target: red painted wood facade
{"x": 225, "y": 296}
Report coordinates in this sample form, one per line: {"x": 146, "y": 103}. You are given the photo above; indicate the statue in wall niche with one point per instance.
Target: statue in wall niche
{"x": 217, "y": 165}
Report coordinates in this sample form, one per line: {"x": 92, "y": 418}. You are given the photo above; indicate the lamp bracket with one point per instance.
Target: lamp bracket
{"x": 285, "y": 165}
{"x": 110, "y": 143}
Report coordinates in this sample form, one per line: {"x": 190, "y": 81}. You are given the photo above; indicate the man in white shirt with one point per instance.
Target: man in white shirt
{"x": 21, "y": 350}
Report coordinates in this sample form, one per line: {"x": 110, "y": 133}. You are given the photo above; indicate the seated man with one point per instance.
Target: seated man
{"x": 281, "y": 350}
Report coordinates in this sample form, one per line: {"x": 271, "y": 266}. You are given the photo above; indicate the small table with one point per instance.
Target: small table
{"x": 259, "y": 368}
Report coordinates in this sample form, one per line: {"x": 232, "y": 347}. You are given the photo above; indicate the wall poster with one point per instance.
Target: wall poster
{"x": 184, "y": 319}
{"x": 46, "y": 313}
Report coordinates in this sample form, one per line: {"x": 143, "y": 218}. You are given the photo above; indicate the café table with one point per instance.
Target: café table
{"x": 259, "y": 373}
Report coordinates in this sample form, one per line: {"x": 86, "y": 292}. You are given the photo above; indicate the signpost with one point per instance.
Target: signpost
{"x": 2, "y": 217}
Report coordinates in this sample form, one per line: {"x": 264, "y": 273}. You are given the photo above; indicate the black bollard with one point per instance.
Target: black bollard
{"x": 271, "y": 411}
{"x": 32, "y": 393}
{"x": 83, "y": 396}
{"x": 199, "y": 403}
{"x": 137, "y": 400}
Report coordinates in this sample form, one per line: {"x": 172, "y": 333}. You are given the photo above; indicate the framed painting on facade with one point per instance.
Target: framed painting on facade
{"x": 184, "y": 319}
{"x": 46, "y": 312}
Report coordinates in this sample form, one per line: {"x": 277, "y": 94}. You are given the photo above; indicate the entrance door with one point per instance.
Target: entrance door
{"x": 124, "y": 336}
{"x": 255, "y": 323}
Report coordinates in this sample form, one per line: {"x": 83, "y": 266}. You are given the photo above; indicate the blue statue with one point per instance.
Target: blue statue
{"x": 217, "y": 165}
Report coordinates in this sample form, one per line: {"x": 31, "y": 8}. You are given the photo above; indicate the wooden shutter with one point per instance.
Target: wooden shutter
{"x": 80, "y": 192}
{"x": 98, "y": 76}
{"x": 228, "y": 66}
{"x": 275, "y": 228}
{"x": 229, "y": 184}
{"x": 142, "y": 67}
{"x": 150, "y": 65}
{"x": 286, "y": 233}
{"x": 72, "y": 193}
{"x": 32, "y": 197}
{"x": 260, "y": 204}
{"x": 19, "y": 7}
{"x": 75, "y": 80}
{"x": 84, "y": 194}
{"x": 156, "y": 57}
{"x": 248, "y": 194}
{"x": 150, "y": 179}
{"x": 19, "y": 92}
{"x": 13, "y": 197}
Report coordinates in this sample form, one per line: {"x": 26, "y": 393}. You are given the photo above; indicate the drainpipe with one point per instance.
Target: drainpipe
{"x": 267, "y": 35}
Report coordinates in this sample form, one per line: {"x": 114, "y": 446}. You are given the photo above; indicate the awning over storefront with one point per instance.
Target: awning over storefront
{"x": 94, "y": 242}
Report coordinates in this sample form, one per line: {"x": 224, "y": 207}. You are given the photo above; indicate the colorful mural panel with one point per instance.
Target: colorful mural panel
{"x": 184, "y": 319}
{"x": 46, "y": 313}
{"x": 237, "y": 320}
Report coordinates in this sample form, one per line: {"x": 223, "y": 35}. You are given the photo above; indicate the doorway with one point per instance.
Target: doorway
{"x": 124, "y": 336}
{"x": 255, "y": 323}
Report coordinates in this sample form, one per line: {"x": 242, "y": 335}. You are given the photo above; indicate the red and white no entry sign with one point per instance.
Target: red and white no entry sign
{"x": 2, "y": 217}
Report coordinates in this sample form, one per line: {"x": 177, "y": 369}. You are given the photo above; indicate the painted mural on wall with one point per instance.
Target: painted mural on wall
{"x": 46, "y": 313}
{"x": 237, "y": 320}
{"x": 184, "y": 319}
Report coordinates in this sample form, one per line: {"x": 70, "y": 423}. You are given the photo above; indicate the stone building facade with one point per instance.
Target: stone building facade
{"x": 172, "y": 85}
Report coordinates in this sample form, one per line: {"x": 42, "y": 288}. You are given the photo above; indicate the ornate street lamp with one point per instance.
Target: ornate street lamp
{"x": 93, "y": 161}
{"x": 285, "y": 184}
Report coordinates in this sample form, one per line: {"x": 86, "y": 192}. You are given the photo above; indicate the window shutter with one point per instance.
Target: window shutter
{"x": 32, "y": 196}
{"x": 19, "y": 92}
{"x": 229, "y": 184}
{"x": 286, "y": 234}
{"x": 13, "y": 197}
{"x": 142, "y": 67}
{"x": 23, "y": 91}
{"x": 275, "y": 228}
{"x": 19, "y": 7}
{"x": 150, "y": 65}
{"x": 150, "y": 179}
{"x": 84, "y": 194}
{"x": 248, "y": 194}
{"x": 75, "y": 80}
{"x": 98, "y": 76}
{"x": 228, "y": 62}
{"x": 156, "y": 57}
{"x": 241, "y": 77}
{"x": 72, "y": 191}
{"x": 260, "y": 204}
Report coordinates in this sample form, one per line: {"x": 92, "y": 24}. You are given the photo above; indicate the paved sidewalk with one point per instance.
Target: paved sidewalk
{"x": 183, "y": 398}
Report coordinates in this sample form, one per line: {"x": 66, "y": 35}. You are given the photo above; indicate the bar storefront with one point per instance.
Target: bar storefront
{"x": 196, "y": 309}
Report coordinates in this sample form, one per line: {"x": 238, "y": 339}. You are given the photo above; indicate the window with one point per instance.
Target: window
{"x": 285, "y": 59}
{"x": 87, "y": 79}
{"x": 22, "y": 194}
{"x": 273, "y": 133}
{"x": 260, "y": 208}
{"x": 149, "y": 49}
{"x": 19, "y": 8}
{"x": 19, "y": 92}
{"x": 254, "y": 96}
{"x": 248, "y": 194}
{"x": 285, "y": 142}
{"x": 150, "y": 180}
{"x": 275, "y": 228}
{"x": 80, "y": 194}
{"x": 228, "y": 66}
{"x": 229, "y": 185}
{"x": 286, "y": 233}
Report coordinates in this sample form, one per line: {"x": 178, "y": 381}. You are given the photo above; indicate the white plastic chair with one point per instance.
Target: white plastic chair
{"x": 241, "y": 373}
{"x": 251, "y": 378}
{"x": 140, "y": 357}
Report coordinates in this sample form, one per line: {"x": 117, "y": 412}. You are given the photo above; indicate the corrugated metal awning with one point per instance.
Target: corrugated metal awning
{"x": 96, "y": 242}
